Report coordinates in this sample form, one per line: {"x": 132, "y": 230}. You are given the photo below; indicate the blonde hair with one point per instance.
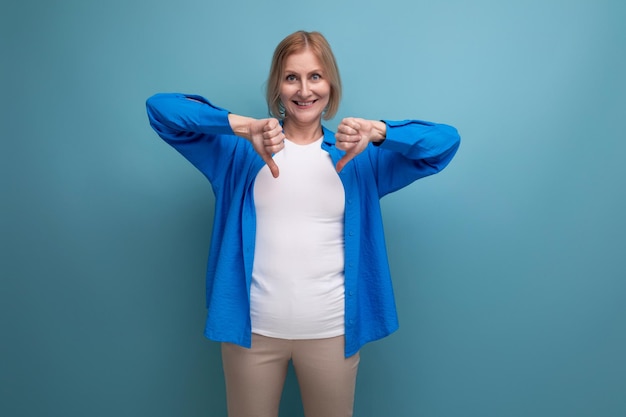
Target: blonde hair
{"x": 297, "y": 42}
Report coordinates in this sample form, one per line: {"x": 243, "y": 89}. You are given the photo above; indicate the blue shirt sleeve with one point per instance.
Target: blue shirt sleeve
{"x": 197, "y": 129}
{"x": 412, "y": 149}
{"x": 184, "y": 117}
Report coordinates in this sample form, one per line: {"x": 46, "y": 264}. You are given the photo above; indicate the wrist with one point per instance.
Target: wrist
{"x": 240, "y": 125}
{"x": 380, "y": 132}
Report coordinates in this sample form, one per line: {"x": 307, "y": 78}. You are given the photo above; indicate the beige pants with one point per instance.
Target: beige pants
{"x": 255, "y": 377}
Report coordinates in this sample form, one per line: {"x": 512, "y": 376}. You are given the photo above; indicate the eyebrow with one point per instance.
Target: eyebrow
{"x": 288, "y": 71}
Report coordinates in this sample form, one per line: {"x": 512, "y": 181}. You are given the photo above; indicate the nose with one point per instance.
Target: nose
{"x": 304, "y": 88}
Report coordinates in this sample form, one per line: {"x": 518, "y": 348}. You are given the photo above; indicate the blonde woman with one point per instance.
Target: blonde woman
{"x": 297, "y": 267}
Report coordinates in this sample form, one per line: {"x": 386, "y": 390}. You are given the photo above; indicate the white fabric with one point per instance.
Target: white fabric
{"x": 297, "y": 289}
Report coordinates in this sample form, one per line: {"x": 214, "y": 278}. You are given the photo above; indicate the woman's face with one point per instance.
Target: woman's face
{"x": 304, "y": 91}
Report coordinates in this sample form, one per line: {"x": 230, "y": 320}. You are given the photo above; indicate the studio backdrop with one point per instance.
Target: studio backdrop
{"x": 508, "y": 266}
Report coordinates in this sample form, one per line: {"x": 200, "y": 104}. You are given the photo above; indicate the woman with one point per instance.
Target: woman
{"x": 297, "y": 266}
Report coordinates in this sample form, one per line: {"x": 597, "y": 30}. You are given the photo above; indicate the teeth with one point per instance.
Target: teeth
{"x": 300, "y": 103}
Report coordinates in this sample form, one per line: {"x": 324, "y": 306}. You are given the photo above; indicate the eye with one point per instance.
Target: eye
{"x": 290, "y": 77}
{"x": 316, "y": 77}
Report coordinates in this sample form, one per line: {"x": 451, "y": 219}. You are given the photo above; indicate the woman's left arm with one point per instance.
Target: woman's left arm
{"x": 404, "y": 150}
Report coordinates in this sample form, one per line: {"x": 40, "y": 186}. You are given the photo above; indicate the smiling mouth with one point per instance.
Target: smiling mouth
{"x": 304, "y": 103}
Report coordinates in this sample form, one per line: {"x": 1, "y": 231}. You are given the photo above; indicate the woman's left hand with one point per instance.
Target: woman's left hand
{"x": 354, "y": 134}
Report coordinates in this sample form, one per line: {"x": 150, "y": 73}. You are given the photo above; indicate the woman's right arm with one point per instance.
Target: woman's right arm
{"x": 203, "y": 132}
{"x": 182, "y": 118}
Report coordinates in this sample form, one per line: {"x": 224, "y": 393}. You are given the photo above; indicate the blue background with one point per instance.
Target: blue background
{"x": 508, "y": 266}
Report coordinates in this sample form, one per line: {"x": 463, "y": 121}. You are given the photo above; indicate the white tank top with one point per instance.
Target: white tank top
{"x": 297, "y": 289}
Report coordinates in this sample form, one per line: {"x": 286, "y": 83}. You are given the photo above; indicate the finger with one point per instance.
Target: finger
{"x": 273, "y": 129}
{"x": 274, "y": 142}
{"x": 275, "y": 148}
{"x": 354, "y": 127}
{"x": 346, "y": 129}
{"x": 270, "y": 133}
{"x": 344, "y": 138}
{"x": 270, "y": 125}
{"x": 351, "y": 123}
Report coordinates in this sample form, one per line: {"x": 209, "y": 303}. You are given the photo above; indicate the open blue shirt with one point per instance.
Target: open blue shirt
{"x": 201, "y": 132}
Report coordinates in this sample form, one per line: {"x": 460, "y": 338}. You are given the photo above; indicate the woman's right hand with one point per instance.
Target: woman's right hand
{"x": 267, "y": 138}
{"x": 265, "y": 135}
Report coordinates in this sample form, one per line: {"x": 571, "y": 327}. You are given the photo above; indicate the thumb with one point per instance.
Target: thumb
{"x": 271, "y": 165}
{"x": 344, "y": 161}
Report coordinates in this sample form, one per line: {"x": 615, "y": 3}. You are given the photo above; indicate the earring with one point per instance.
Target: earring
{"x": 281, "y": 109}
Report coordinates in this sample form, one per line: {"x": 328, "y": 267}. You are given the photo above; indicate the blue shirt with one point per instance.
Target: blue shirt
{"x": 201, "y": 132}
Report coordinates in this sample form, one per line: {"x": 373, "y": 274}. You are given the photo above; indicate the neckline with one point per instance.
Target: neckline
{"x": 316, "y": 142}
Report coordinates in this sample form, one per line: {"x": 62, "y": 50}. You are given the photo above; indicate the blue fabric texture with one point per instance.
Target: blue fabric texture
{"x": 201, "y": 132}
